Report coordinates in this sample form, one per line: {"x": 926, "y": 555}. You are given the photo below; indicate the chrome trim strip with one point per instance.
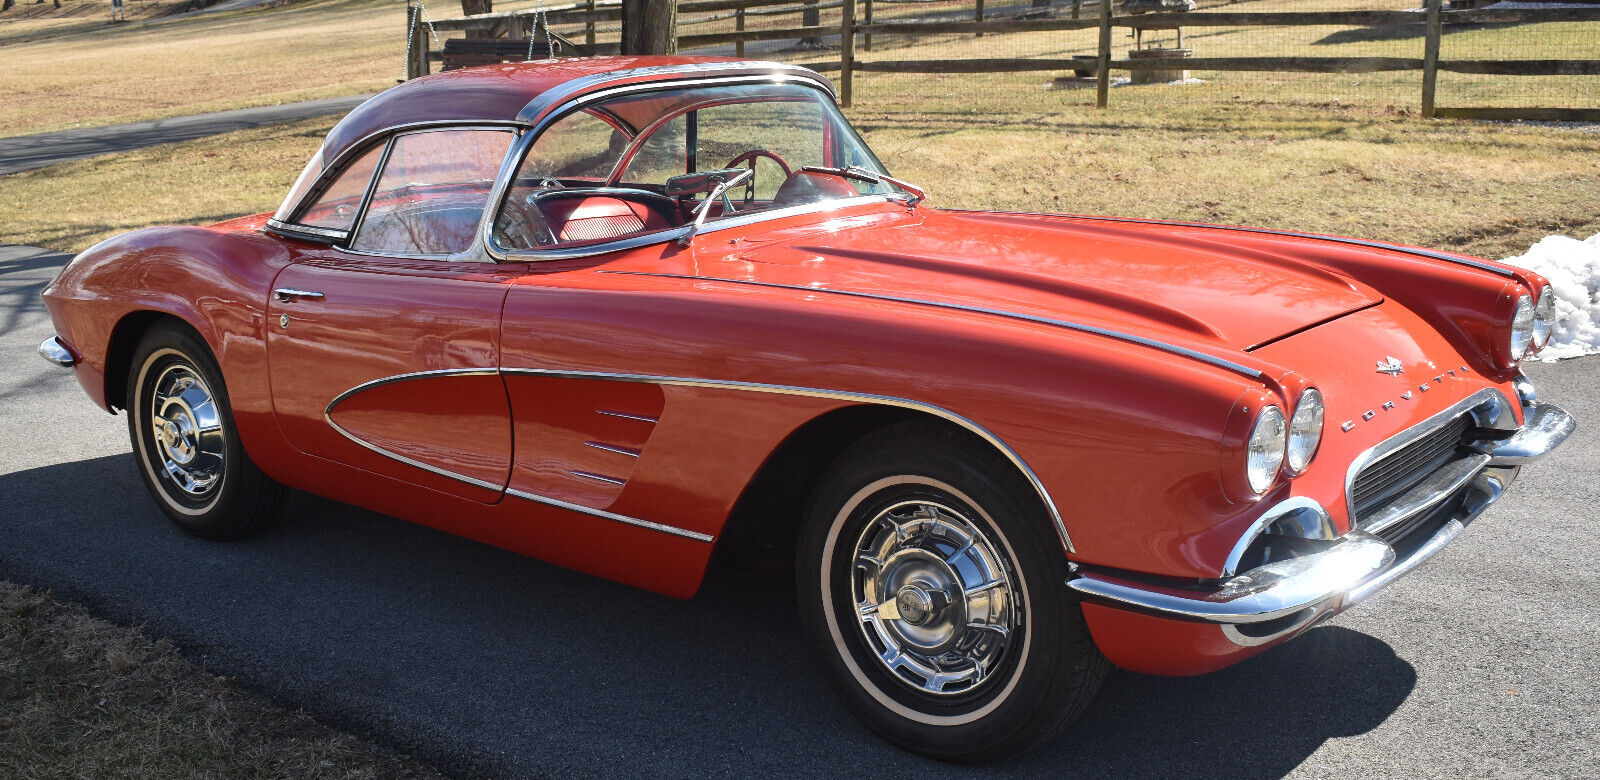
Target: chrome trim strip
{"x": 1268, "y": 592}
{"x": 327, "y": 414}
{"x": 1098, "y": 331}
{"x": 632, "y": 453}
{"x": 1419, "y": 252}
{"x": 627, "y": 416}
{"x": 598, "y": 477}
{"x": 1546, "y": 426}
{"x": 1309, "y": 515}
{"x": 296, "y": 231}
{"x": 601, "y": 513}
{"x": 885, "y": 400}
{"x": 1493, "y": 404}
{"x": 53, "y": 350}
{"x": 714, "y": 72}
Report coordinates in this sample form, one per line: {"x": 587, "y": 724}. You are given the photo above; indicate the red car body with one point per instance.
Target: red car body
{"x": 621, "y": 412}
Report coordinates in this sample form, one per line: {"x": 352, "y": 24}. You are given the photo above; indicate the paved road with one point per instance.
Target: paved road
{"x": 1483, "y": 663}
{"x": 26, "y": 152}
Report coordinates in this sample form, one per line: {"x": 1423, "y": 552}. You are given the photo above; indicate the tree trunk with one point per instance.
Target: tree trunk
{"x": 649, "y": 27}
{"x": 6, "y": 5}
{"x": 487, "y": 29}
{"x": 811, "y": 17}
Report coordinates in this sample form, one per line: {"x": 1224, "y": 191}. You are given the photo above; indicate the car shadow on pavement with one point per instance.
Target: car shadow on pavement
{"x": 485, "y": 662}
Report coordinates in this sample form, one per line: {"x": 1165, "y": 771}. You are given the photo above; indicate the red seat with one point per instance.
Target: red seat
{"x": 599, "y": 217}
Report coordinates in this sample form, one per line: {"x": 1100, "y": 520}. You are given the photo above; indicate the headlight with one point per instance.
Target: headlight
{"x": 1521, "y": 328}
{"x": 1544, "y": 318}
{"x": 1305, "y": 431}
{"x": 1265, "y": 455}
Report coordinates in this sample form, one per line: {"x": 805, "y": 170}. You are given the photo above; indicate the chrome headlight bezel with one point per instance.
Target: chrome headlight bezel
{"x": 1265, "y": 449}
{"x": 1305, "y": 431}
{"x": 1521, "y": 338}
{"x": 1544, "y": 318}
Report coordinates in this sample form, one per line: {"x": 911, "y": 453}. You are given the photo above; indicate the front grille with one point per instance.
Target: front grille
{"x": 1384, "y": 479}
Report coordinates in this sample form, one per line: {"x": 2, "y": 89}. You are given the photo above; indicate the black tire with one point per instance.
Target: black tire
{"x": 217, "y": 493}
{"x": 922, "y": 478}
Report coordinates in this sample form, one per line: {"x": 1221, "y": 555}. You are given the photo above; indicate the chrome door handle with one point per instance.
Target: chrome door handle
{"x": 287, "y": 294}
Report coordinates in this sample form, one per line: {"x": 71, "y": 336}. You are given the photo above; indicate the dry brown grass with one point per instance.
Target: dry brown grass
{"x": 1484, "y": 188}
{"x": 57, "y": 73}
{"x": 80, "y": 697}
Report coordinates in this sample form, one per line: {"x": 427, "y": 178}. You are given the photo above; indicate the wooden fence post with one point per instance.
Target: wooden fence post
{"x": 1430, "y": 58}
{"x": 1102, "y": 87}
{"x": 417, "y": 32}
{"x": 588, "y": 26}
{"x": 847, "y": 50}
{"x": 978, "y": 17}
{"x": 738, "y": 24}
{"x": 866, "y": 40}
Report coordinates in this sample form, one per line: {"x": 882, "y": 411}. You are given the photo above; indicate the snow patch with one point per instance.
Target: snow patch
{"x": 1573, "y": 268}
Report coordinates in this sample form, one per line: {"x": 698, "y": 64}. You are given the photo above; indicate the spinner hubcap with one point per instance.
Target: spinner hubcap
{"x": 933, "y": 597}
{"x": 186, "y": 431}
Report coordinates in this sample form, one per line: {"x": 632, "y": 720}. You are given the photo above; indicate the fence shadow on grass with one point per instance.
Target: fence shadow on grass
{"x": 487, "y": 662}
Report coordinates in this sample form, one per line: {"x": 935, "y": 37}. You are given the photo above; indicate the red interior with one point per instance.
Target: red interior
{"x": 599, "y": 217}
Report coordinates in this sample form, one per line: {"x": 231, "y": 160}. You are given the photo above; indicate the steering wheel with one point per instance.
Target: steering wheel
{"x": 750, "y": 157}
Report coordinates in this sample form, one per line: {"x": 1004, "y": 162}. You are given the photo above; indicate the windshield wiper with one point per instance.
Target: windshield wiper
{"x": 857, "y": 173}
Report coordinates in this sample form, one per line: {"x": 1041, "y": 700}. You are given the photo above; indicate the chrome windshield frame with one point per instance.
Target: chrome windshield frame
{"x": 545, "y": 112}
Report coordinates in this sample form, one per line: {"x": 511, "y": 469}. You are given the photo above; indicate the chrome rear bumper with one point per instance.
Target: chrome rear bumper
{"x": 1276, "y": 599}
{"x": 54, "y": 351}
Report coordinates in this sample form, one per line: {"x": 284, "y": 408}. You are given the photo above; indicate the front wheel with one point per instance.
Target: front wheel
{"x": 933, "y": 585}
{"x": 185, "y": 442}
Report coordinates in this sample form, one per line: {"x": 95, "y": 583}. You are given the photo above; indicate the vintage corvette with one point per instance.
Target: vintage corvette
{"x": 615, "y": 312}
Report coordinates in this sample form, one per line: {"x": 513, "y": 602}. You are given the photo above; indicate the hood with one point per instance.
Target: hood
{"x": 1148, "y": 280}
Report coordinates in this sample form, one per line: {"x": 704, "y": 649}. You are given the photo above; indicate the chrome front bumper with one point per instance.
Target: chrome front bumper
{"x": 1279, "y": 598}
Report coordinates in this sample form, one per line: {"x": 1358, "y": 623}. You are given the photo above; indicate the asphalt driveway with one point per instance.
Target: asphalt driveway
{"x": 1483, "y": 663}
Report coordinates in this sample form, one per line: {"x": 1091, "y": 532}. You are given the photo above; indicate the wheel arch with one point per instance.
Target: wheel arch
{"x": 766, "y": 518}
{"x": 124, "y": 340}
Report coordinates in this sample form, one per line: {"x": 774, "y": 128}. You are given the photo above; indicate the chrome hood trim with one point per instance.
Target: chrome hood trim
{"x": 1174, "y": 349}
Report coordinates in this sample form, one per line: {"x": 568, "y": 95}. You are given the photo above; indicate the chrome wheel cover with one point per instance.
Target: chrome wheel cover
{"x": 933, "y": 597}
{"x": 185, "y": 428}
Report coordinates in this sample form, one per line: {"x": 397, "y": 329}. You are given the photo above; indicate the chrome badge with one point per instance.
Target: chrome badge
{"x": 1390, "y": 366}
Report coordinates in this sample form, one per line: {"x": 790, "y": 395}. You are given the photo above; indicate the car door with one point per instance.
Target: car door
{"x": 383, "y": 353}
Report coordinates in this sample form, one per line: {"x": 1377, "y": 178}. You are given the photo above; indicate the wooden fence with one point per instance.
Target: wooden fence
{"x": 848, "y": 28}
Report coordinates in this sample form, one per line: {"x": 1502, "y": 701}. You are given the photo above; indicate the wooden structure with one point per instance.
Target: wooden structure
{"x": 579, "y": 20}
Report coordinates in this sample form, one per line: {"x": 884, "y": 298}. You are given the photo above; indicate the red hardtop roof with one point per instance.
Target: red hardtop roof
{"x": 501, "y": 93}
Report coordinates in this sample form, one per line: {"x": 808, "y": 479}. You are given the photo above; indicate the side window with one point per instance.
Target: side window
{"x": 758, "y": 131}
{"x": 336, "y": 209}
{"x": 432, "y": 191}
{"x": 579, "y": 146}
{"x": 663, "y": 155}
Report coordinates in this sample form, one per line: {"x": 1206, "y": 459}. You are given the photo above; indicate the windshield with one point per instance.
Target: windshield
{"x": 647, "y": 162}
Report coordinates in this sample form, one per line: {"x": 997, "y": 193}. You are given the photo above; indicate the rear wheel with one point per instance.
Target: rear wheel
{"x": 933, "y": 586}
{"x": 185, "y": 442}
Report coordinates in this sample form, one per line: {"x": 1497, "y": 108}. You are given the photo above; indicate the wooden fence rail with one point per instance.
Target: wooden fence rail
{"x": 1430, "y": 21}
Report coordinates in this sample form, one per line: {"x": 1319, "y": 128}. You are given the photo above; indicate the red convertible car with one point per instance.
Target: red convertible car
{"x": 615, "y": 312}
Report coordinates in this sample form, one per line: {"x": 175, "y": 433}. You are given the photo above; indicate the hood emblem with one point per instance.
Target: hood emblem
{"x": 1390, "y": 366}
